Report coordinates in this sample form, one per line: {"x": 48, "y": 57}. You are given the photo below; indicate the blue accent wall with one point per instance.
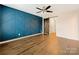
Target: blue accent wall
{"x": 15, "y": 23}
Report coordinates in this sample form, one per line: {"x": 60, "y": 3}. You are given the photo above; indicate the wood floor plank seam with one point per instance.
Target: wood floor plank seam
{"x": 29, "y": 48}
{"x": 40, "y": 50}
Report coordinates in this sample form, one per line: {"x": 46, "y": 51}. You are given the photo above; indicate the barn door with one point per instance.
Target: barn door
{"x": 46, "y": 26}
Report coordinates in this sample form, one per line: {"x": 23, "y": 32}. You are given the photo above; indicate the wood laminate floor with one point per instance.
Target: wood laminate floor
{"x": 41, "y": 45}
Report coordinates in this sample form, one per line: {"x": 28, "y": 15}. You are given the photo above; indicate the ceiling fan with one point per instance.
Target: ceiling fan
{"x": 44, "y": 9}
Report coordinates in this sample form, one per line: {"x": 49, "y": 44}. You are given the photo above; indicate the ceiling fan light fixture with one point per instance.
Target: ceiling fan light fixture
{"x": 44, "y": 9}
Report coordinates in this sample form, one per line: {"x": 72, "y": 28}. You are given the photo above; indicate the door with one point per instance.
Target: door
{"x": 46, "y": 26}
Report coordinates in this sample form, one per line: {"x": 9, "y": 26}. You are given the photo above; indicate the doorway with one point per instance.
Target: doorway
{"x": 52, "y": 25}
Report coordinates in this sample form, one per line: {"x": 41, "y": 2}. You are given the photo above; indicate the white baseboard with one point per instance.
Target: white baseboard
{"x": 67, "y": 38}
{"x": 19, "y": 38}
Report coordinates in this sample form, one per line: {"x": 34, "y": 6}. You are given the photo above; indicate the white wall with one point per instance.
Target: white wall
{"x": 67, "y": 25}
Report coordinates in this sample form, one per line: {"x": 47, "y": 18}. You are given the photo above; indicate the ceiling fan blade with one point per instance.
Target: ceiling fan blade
{"x": 38, "y": 8}
{"x": 39, "y": 11}
{"x": 47, "y": 7}
{"x": 53, "y": 17}
{"x": 49, "y": 11}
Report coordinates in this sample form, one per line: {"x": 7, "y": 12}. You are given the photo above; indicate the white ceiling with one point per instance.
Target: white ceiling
{"x": 57, "y": 8}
